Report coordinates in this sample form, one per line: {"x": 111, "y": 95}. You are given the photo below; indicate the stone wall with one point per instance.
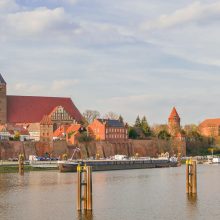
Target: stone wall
{"x": 152, "y": 148}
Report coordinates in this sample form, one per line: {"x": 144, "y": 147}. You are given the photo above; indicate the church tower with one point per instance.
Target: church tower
{"x": 174, "y": 122}
{"x": 3, "y": 100}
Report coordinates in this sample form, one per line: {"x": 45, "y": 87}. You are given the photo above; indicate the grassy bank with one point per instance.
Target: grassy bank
{"x": 27, "y": 168}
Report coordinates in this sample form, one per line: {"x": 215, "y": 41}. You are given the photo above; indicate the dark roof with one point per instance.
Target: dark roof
{"x": 2, "y": 79}
{"x": 31, "y": 109}
{"x": 112, "y": 122}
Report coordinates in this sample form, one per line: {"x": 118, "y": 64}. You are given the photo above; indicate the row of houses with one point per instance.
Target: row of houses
{"x": 99, "y": 129}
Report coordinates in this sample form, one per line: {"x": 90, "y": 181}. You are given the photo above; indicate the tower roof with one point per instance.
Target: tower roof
{"x": 174, "y": 114}
{"x": 2, "y": 79}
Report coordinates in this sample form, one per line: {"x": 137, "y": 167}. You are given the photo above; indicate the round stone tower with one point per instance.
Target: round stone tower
{"x": 3, "y": 101}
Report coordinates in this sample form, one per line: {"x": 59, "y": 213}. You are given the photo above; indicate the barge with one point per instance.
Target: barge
{"x": 105, "y": 165}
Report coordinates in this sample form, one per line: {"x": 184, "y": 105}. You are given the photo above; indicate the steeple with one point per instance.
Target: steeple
{"x": 174, "y": 122}
{"x": 2, "y": 81}
{"x": 174, "y": 114}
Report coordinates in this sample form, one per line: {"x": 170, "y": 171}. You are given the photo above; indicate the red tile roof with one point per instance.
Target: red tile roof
{"x": 174, "y": 114}
{"x": 210, "y": 122}
{"x": 31, "y": 109}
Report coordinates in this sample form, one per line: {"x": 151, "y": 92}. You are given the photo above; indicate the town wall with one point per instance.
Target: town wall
{"x": 102, "y": 149}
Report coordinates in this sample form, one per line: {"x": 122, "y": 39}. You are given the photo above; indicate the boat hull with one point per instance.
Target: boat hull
{"x": 106, "y": 165}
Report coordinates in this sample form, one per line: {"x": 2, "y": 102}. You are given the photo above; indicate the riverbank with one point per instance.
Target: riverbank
{"x": 27, "y": 168}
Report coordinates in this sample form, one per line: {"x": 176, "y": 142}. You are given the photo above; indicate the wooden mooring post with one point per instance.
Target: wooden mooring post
{"x": 191, "y": 177}
{"x": 84, "y": 188}
{"x": 21, "y": 164}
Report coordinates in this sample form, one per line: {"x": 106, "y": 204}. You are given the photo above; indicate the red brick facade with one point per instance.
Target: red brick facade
{"x": 46, "y": 130}
{"x": 109, "y": 130}
{"x": 210, "y": 127}
{"x": 174, "y": 122}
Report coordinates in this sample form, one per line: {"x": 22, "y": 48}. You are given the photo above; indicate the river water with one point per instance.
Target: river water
{"x": 117, "y": 195}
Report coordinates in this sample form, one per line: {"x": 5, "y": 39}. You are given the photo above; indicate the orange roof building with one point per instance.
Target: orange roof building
{"x": 109, "y": 130}
{"x": 70, "y": 133}
{"x": 210, "y": 127}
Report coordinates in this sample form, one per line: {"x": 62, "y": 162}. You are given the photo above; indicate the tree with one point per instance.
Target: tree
{"x": 90, "y": 116}
{"x": 17, "y": 136}
{"x": 164, "y": 135}
{"x": 192, "y": 132}
{"x": 111, "y": 115}
{"x": 145, "y": 127}
{"x": 121, "y": 119}
{"x": 83, "y": 137}
{"x": 132, "y": 133}
{"x": 137, "y": 122}
{"x": 156, "y": 128}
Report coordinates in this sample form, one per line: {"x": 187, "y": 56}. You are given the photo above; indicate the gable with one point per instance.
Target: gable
{"x": 59, "y": 113}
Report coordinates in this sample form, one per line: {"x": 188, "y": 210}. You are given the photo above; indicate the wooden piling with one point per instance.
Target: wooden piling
{"x": 187, "y": 176}
{"x": 191, "y": 177}
{"x": 89, "y": 188}
{"x": 194, "y": 178}
{"x": 21, "y": 164}
{"x": 79, "y": 191}
{"x": 84, "y": 188}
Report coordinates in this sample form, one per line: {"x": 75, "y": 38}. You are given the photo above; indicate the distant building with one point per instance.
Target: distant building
{"x": 9, "y": 132}
{"x": 108, "y": 129}
{"x": 40, "y": 115}
{"x": 4, "y": 133}
{"x": 210, "y": 127}
{"x": 174, "y": 128}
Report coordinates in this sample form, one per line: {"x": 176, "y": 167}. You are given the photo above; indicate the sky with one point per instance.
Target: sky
{"x": 130, "y": 57}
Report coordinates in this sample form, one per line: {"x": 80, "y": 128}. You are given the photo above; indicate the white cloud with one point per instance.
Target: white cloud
{"x": 60, "y": 85}
{"x": 36, "y": 21}
{"x": 195, "y": 12}
{"x": 72, "y": 2}
{"x": 24, "y": 88}
{"x": 8, "y": 5}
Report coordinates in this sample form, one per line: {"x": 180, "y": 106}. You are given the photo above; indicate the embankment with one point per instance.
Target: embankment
{"x": 152, "y": 148}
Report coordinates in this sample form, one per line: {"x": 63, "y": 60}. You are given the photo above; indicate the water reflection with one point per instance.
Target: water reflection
{"x": 85, "y": 216}
{"x": 192, "y": 205}
{"x": 192, "y": 199}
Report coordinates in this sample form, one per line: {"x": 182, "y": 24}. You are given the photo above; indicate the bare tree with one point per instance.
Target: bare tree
{"x": 91, "y": 115}
{"x": 111, "y": 115}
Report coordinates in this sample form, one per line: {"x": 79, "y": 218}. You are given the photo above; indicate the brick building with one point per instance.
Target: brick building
{"x": 40, "y": 115}
{"x": 69, "y": 133}
{"x": 210, "y": 127}
{"x": 108, "y": 129}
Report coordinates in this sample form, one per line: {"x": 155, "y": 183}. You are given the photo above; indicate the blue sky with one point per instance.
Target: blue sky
{"x": 130, "y": 57}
